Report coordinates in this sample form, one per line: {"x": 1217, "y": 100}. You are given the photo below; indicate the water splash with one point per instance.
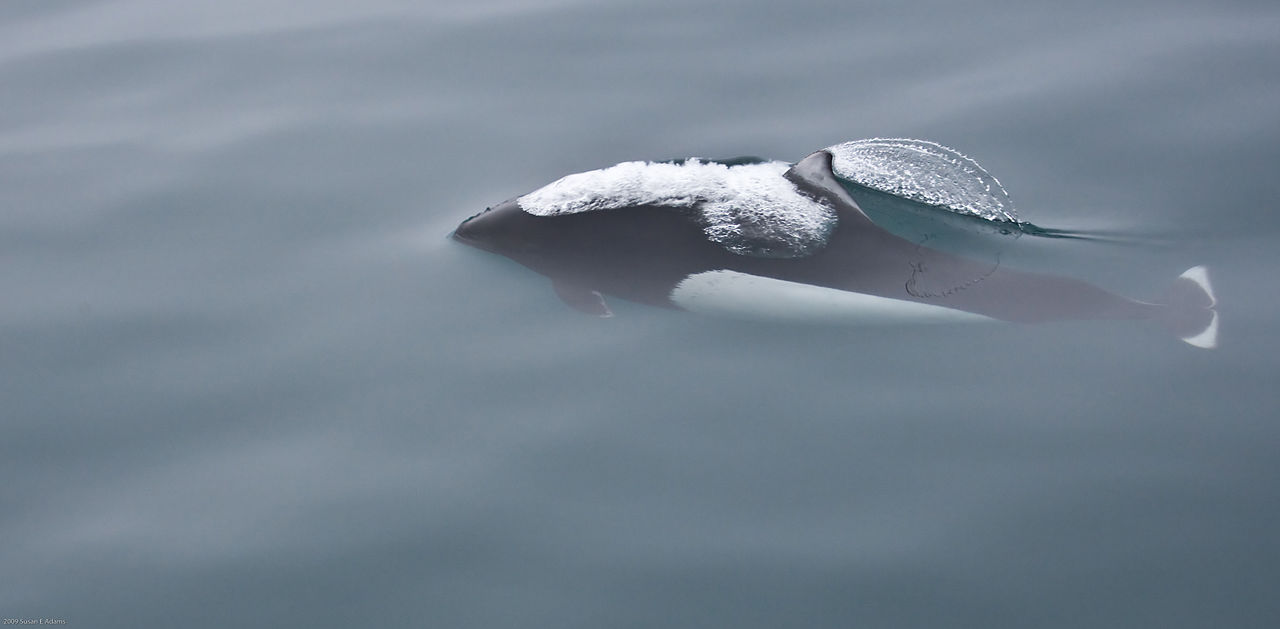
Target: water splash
{"x": 749, "y": 207}
{"x": 924, "y": 172}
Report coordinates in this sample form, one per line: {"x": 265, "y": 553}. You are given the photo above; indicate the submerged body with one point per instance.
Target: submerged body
{"x": 781, "y": 242}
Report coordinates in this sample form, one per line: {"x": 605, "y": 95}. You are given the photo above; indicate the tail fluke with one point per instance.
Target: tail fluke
{"x": 1190, "y": 310}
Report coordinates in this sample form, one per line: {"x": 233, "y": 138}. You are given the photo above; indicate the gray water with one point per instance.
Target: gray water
{"x": 245, "y": 379}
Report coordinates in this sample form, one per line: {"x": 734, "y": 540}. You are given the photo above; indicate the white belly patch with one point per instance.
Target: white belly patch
{"x": 741, "y": 295}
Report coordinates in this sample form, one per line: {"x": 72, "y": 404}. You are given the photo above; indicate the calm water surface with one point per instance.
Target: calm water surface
{"x": 245, "y": 380}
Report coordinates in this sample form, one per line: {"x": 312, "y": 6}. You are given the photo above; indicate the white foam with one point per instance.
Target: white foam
{"x": 750, "y": 209}
{"x": 742, "y": 295}
{"x": 925, "y": 172}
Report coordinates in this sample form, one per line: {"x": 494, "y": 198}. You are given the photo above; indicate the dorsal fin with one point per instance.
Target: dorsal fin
{"x": 813, "y": 177}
